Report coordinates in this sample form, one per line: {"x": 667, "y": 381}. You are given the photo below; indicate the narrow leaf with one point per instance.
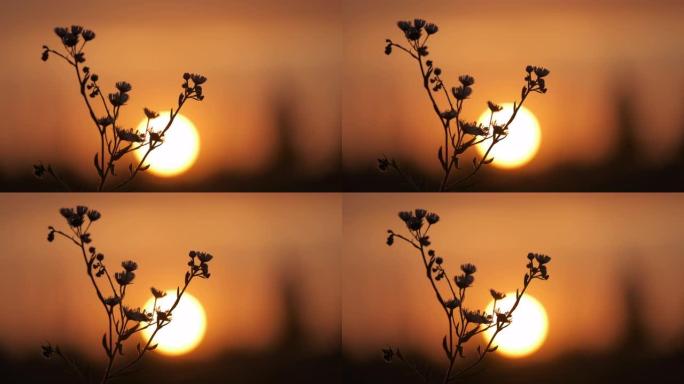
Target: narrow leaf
{"x": 104, "y": 343}
{"x": 97, "y": 164}
{"x": 446, "y": 347}
{"x": 440, "y": 156}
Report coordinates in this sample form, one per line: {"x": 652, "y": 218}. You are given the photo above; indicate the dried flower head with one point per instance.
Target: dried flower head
{"x": 198, "y": 79}
{"x": 464, "y": 281}
{"x": 541, "y": 71}
{"x": 124, "y": 277}
{"x": 461, "y": 92}
{"x": 123, "y": 87}
{"x": 70, "y": 40}
{"x": 453, "y": 303}
{"x": 48, "y": 351}
{"x": 129, "y": 265}
{"x": 204, "y": 257}
{"x": 432, "y": 218}
{"x": 542, "y": 259}
{"x": 88, "y": 35}
{"x": 414, "y": 223}
{"x": 449, "y": 114}
{"x": 60, "y": 31}
{"x": 150, "y": 113}
{"x": 496, "y": 295}
{"x": 112, "y": 301}
{"x": 39, "y": 170}
{"x": 494, "y": 107}
{"x": 137, "y": 315}
{"x": 413, "y": 34}
{"x": 130, "y": 135}
{"x": 383, "y": 164}
{"x": 158, "y": 294}
{"x": 477, "y": 317}
{"x": 468, "y": 268}
{"x": 431, "y": 29}
{"x": 466, "y": 80}
{"x": 387, "y": 354}
{"x": 473, "y": 128}
{"x": 94, "y": 215}
{"x": 118, "y": 99}
{"x": 73, "y": 217}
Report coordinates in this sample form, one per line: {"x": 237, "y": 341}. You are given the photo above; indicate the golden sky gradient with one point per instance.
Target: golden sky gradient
{"x": 257, "y": 240}
{"x": 593, "y": 49}
{"x": 595, "y": 240}
{"x": 259, "y": 56}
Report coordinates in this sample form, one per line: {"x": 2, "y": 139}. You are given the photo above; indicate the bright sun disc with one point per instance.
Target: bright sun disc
{"x": 528, "y": 329}
{"x": 187, "y": 326}
{"x": 179, "y": 150}
{"x": 522, "y": 142}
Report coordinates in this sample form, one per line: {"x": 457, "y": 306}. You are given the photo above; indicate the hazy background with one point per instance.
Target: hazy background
{"x": 612, "y": 119}
{"x": 273, "y": 299}
{"x": 270, "y": 120}
{"x": 295, "y": 86}
{"x": 614, "y": 298}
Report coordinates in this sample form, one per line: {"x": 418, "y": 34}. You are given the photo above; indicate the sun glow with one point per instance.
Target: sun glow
{"x": 528, "y": 329}
{"x": 187, "y": 326}
{"x": 179, "y": 150}
{"x": 522, "y": 142}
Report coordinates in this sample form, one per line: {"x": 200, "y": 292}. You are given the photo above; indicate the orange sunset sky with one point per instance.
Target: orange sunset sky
{"x": 259, "y": 56}
{"x": 596, "y": 242}
{"x": 594, "y": 49}
{"x": 258, "y": 242}
{"x": 322, "y": 63}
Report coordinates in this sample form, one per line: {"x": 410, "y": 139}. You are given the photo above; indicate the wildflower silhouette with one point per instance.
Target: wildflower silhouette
{"x": 464, "y": 323}
{"x": 123, "y": 321}
{"x": 115, "y": 141}
{"x": 459, "y": 135}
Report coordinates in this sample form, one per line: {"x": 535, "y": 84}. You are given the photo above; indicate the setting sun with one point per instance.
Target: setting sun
{"x": 187, "y": 326}
{"x": 179, "y": 150}
{"x": 528, "y": 329}
{"x": 522, "y": 142}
